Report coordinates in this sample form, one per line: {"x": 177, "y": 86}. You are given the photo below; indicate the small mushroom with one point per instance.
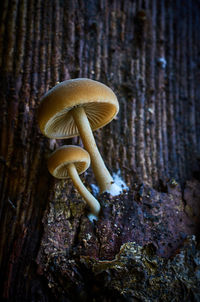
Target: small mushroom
{"x": 70, "y": 161}
{"x": 80, "y": 106}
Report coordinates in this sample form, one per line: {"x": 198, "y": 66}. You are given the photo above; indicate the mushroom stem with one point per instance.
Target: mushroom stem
{"x": 103, "y": 177}
{"x": 89, "y": 198}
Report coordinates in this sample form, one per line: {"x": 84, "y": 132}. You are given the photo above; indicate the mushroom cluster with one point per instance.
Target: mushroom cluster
{"x": 78, "y": 107}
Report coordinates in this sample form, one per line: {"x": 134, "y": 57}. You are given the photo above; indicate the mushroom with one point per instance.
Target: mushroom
{"x": 78, "y": 107}
{"x": 70, "y": 161}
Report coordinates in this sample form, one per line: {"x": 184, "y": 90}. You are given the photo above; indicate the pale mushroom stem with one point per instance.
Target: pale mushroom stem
{"x": 88, "y": 197}
{"x": 103, "y": 177}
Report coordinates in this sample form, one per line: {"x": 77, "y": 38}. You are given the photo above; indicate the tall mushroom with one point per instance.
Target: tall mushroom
{"x": 78, "y": 107}
{"x": 70, "y": 161}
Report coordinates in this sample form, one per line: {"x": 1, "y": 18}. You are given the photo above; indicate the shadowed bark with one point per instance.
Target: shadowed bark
{"x": 148, "y": 53}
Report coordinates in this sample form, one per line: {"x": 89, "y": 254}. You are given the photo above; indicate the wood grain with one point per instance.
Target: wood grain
{"x": 146, "y": 51}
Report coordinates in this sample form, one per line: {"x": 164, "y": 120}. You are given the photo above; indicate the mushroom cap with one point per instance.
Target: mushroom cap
{"x": 54, "y": 114}
{"x": 60, "y": 158}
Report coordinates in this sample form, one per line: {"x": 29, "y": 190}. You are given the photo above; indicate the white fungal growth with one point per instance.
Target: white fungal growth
{"x": 119, "y": 181}
{"x": 95, "y": 189}
{"x": 92, "y": 217}
{"x": 162, "y": 62}
{"x": 150, "y": 110}
{"x": 116, "y": 188}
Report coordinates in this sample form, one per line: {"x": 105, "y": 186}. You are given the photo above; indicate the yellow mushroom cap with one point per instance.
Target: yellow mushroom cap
{"x": 54, "y": 113}
{"x": 60, "y": 158}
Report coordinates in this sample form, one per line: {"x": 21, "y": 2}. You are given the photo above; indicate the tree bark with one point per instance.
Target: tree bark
{"x": 148, "y": 53}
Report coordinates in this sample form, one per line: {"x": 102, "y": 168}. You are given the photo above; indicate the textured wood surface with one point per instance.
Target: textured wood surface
{"x": 146, "y": 51}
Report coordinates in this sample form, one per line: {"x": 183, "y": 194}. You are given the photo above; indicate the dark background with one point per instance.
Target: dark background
{"x": 148, "y": 52}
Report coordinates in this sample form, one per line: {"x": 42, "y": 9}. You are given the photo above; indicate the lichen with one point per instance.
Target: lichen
{"x": 136, "y": 273}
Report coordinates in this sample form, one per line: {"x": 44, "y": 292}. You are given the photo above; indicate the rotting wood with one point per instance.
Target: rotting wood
{"x": 148, "y": 53}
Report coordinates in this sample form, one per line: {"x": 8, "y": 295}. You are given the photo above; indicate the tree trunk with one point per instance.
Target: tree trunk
{"x": 148, "y": 53}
